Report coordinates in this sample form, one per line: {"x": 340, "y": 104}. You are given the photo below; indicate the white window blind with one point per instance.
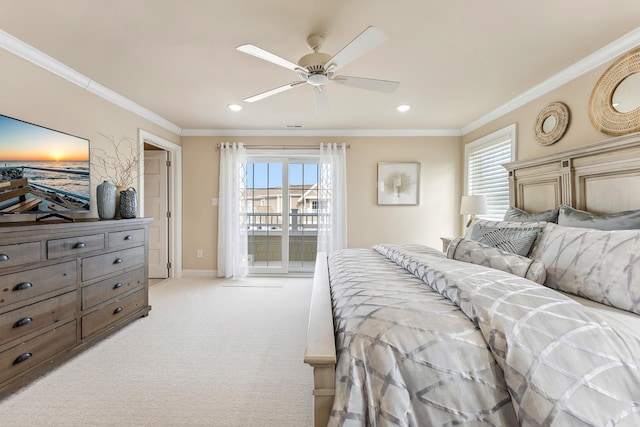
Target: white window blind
{"x": 484, "y": 171}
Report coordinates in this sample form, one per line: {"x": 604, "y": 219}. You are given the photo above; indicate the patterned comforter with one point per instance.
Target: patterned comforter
{"x": 423, "y": 340}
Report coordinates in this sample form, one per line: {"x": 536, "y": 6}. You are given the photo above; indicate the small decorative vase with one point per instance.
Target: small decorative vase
{"x": 128, "y": 203}
{"x": 119, "y": 189}
{"x": 106, "y": 200}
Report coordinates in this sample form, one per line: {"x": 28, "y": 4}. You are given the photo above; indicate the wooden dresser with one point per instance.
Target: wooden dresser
{"x": 65, "y": 286}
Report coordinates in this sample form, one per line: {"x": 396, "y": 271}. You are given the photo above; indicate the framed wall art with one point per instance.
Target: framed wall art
{"x": 398, "y": 183}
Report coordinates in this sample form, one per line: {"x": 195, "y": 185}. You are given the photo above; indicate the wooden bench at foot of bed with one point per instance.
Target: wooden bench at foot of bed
{"x": 320, "y": 348}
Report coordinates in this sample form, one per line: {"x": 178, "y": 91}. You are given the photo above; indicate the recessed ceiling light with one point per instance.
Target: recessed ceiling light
{"x": 404, "y": 107}
{"x": 235, "y": 107}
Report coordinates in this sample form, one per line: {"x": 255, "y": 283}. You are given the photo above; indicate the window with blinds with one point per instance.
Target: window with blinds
{"x": 484, "y": 172}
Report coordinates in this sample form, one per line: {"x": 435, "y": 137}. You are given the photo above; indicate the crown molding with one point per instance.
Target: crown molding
{"x": 601, "y": 56}
{"x": 596, "y": 59}
{"x": 324, "y": 133}
{"x": 33, "y": 55}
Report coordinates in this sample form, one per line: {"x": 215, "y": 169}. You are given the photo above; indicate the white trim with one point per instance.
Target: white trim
{"x": 33, "y": 55}
{"x": 326, "y": 133}
{"x": 208, "y": 274}
{"x": 599, "y": 57}
{"x": 510, "y": 131}
{"x": 175, "y": 195}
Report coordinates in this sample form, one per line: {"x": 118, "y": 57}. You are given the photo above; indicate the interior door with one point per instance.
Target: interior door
{"x": 156, "y": 205}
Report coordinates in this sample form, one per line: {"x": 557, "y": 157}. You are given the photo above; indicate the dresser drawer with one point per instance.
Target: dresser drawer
{"x": 111, "y": 313}
{"x": 16, "y": 323}
{"x": 112, "y": 287}
{"x": 22, "y": 253}
{"x": 21, "y": 286}
{"x": 99, "y": 265}
{"x": 29, "y": 353}
{"x": 59, "y": 248}
{"x": 122, "y": 239}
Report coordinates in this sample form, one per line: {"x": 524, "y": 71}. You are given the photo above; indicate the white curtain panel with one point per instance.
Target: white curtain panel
{"x": 332, "y": 206}
{"x": 232, "y": 218}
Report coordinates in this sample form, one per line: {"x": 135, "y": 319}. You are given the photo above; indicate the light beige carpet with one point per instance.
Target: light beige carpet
{"x": 207, "y": 355}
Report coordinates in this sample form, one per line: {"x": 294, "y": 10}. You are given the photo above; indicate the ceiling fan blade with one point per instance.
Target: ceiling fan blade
{"x": 268, "y": 93}
{"x": 386, "y": 86}
{"x": 368, "y": 39}
{"x": 267, "y": 56}
{"x": 320, "y": 100}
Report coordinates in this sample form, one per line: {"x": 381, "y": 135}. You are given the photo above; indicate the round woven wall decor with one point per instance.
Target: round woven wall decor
{"x": 603, "y": 115}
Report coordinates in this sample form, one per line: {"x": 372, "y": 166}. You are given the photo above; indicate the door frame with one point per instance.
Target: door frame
{"x": 174, "y": 191}
{"x": 284, "y": 157}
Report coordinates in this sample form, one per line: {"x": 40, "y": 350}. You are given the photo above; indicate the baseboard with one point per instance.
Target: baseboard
{"x": 209, "y": 274}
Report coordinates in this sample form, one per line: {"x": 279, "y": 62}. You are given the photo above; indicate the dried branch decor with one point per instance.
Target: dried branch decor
{"x": 118, "y": 165}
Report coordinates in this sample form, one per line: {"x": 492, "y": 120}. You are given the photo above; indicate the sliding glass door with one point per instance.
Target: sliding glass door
{"x": 282, "y": 213}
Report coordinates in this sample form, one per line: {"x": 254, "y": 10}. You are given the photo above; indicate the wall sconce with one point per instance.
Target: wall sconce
{"x": 472, "y": 206}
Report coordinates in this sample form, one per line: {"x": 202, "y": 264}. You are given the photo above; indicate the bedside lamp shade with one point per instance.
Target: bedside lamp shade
{"x": 473, "y": 205}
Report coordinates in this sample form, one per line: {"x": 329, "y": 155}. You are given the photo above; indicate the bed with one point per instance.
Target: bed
{"x": 407, "y": 335}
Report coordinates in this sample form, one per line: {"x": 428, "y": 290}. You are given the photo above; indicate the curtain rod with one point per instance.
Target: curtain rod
{"x": 281, "y": 147}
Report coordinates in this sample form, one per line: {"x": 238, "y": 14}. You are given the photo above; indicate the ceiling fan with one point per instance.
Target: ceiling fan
{"x": 317, "y": 68}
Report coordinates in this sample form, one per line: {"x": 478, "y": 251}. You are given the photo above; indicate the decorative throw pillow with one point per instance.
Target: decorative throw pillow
{"x": 518, "y": 215}
{"x": 479, "y": 222}
{"x": 571, "y": 217}
{"x": 477, "y": 253}
{"x": 516, "y": 240}
{"x": 603, "y": 266}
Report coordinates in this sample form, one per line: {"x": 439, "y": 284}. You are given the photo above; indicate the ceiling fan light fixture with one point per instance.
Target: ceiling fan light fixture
{"x": 403, "y": 108}
{"x": 318, "y": 79}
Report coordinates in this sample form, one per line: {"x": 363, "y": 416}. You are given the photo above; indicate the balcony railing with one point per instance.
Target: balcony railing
{"x": 265, "y": 238}
{"x": 306, "y": 223}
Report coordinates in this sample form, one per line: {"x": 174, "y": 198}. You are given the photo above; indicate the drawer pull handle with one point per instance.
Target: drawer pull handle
{"x": 118, "y": 261}
{"x": 80, "y": 245}
{"x": 117, "y": 285}
{"x": 22, "y": 286}
{"x": 117, "y": 310}
{"x": 128, "y": 237}
{"x": 4, "y": 257}
{"x": 22, "y": 358}
{"x": 22, "y": 322}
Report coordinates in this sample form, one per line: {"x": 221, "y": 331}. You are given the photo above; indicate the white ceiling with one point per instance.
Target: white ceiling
{"x": 457, "y": 61}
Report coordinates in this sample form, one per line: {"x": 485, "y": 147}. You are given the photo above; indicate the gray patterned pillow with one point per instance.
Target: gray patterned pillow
{"x": 603, "y": 266}
{"x": 477, "y": 253}
{"x": 518, "y": 215}
{"x": 516, "y": 240}
{"x": 479, "y": 222}
{"x": 571, "y": 217}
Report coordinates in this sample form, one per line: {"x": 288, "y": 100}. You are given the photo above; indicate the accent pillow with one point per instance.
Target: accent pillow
{"x": 518, "y": 215}
{"x": 479, "y": 222}
{"x": 603, "y": 266}
{"x": 516, "y": 240}
{"x": 571, "y": 217}
{"x": 477, "y": 253}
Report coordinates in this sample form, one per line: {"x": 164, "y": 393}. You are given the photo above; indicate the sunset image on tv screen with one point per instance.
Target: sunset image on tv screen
{"x": 55, "y": 165}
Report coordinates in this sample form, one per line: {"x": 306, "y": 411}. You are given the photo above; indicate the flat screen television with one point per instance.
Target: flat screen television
{"x": 42, "y": 171}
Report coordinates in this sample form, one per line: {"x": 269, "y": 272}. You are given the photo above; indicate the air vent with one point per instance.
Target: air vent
{"x": 293, "y": 126}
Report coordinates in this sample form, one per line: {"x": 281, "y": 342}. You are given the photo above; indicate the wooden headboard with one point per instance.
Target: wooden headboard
{"x": 599, "y": 178}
